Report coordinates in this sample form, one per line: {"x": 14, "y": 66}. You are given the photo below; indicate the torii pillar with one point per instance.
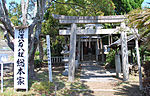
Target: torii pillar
{"x": 124, "y": 50}
{"x": 72, "y": 53}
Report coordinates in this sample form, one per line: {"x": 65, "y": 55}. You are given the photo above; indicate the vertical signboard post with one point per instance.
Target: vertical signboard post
{"x": 2, "y": 76}
{"x": 49, "y": 57}
{"x": 21, "y": 58}
{"x": 3, "y": 57}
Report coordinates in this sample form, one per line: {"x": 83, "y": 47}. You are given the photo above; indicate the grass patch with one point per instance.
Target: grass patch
{"x": 42, "y": 87}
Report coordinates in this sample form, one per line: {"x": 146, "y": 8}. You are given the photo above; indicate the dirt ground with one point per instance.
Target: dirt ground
{"x": 115, "y": 87}
{"x": 118, "y": 88}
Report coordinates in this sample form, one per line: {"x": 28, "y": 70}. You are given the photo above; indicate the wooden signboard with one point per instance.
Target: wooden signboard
{"x": 21, "y": 58}
{"x": 49, "y": 57}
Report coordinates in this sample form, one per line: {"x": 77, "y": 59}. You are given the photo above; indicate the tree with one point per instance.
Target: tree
{"x": 125, "y": 6}
{"x": 86, "y": 7}
{"x": 140, "y": 19}
{"x": 15, "y": 13}
{"x": 34, "y": 27}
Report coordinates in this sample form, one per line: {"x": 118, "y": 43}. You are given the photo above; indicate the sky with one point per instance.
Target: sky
{"x": 18, "y": 1}
{"x": 145, "y": 4}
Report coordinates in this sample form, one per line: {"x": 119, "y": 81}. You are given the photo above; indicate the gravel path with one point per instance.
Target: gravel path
{"x": 103, "y": 82}
{"x": 98, "y": 79}
{"x": 95, "y": 72}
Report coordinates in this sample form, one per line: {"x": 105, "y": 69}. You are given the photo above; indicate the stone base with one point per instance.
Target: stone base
{"x": 65, "y": 73}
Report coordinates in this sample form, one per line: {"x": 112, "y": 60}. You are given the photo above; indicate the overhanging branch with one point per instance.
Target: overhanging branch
{"x": 8, "y": 25}
{"x": 2, "y": 27}
{"x": 4, "y": 6}
{"x": 9, "y": 41}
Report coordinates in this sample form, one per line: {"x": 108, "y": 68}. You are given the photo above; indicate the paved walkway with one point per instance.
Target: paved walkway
{"x": 94, "y": 72}
{"x": 98, "y": 80}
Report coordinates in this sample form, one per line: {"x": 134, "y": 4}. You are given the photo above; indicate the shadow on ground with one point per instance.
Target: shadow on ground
{"x": 129, "y": 90}
{"x": 60, "y": 85}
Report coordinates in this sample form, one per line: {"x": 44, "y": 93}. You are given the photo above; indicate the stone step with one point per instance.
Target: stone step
{"x": 65, "y": 60}
{"x": 104, "y": 90}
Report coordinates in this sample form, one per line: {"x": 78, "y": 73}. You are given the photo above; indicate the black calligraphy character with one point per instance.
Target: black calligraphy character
{"x": 20, "y": 71}
{"x": 20, "y": 43}
{"x": 48, "y": 57}
{"x": 21, "y": 52}
{"x": 21, "y": 36}
{"x": 21, "y": 31}
{"x": 20, "y": 80}
{"x": 20, "y": 62}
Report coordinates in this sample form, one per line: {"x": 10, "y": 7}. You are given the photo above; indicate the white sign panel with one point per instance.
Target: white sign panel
{"x": 21, "y": 59}
{"x": 3, "y": 58}
{"x": 49, "y": 57}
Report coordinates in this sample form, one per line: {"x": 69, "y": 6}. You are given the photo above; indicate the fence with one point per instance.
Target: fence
{"x": 57, "y": 59}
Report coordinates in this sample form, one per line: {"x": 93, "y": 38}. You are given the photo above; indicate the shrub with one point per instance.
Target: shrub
{"x": 146, "y": 80}
{"x": 44, "y": 87}
{"x": 110, "y": 59}
{"x": 37, "y": 63}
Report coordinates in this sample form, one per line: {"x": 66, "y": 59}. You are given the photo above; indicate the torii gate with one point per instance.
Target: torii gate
{"x": 73, "y": 20}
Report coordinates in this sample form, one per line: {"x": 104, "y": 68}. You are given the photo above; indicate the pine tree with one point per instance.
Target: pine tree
{"x": 125, "y": 6}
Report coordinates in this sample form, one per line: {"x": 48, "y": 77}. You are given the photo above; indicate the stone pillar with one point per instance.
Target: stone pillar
{"x": 102, "y": 49}
{"x": 139, "y": 64}
{"x": 79, "y": 43}
{"x": 138, "y": 59}
{"x": 111, "y": 39}
{"x": 72, "y": 53}
{"x": 117, "y": 64}
{"x": 82, "y": 51}
{"x": 97, "y": 49}
{"x": 89, "y": 41}
{"x": 124, "y": 50}
{"x": 109, "y": 42}
{"x": 132, "y": 56}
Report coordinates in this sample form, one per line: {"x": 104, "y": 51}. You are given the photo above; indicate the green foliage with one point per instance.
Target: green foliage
{"x": 110, "y": 58}
{"x": 146, "y": 79}
{"x": 140, "y": 19}
{"x": 125, "y": 6}
{"x": 37, "y": 53}
{"x": 85, "y": 7}
{"x": 51, "y": 27}
{"x": 45, "y": 87}
{"x": 145, "y": 52}
{"x": 15, "y": 13}
{"x": 37, "y": 63}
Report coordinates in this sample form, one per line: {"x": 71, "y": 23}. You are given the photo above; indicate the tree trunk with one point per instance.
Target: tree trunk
{"x": 31, "y": 69}
{"x": 33, "y": 36}
{"x": 40, "y": 49}
{"x": 31, "y": 58}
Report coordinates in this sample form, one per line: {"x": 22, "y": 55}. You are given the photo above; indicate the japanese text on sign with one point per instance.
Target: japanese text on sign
{"x": 21, "y": 59}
